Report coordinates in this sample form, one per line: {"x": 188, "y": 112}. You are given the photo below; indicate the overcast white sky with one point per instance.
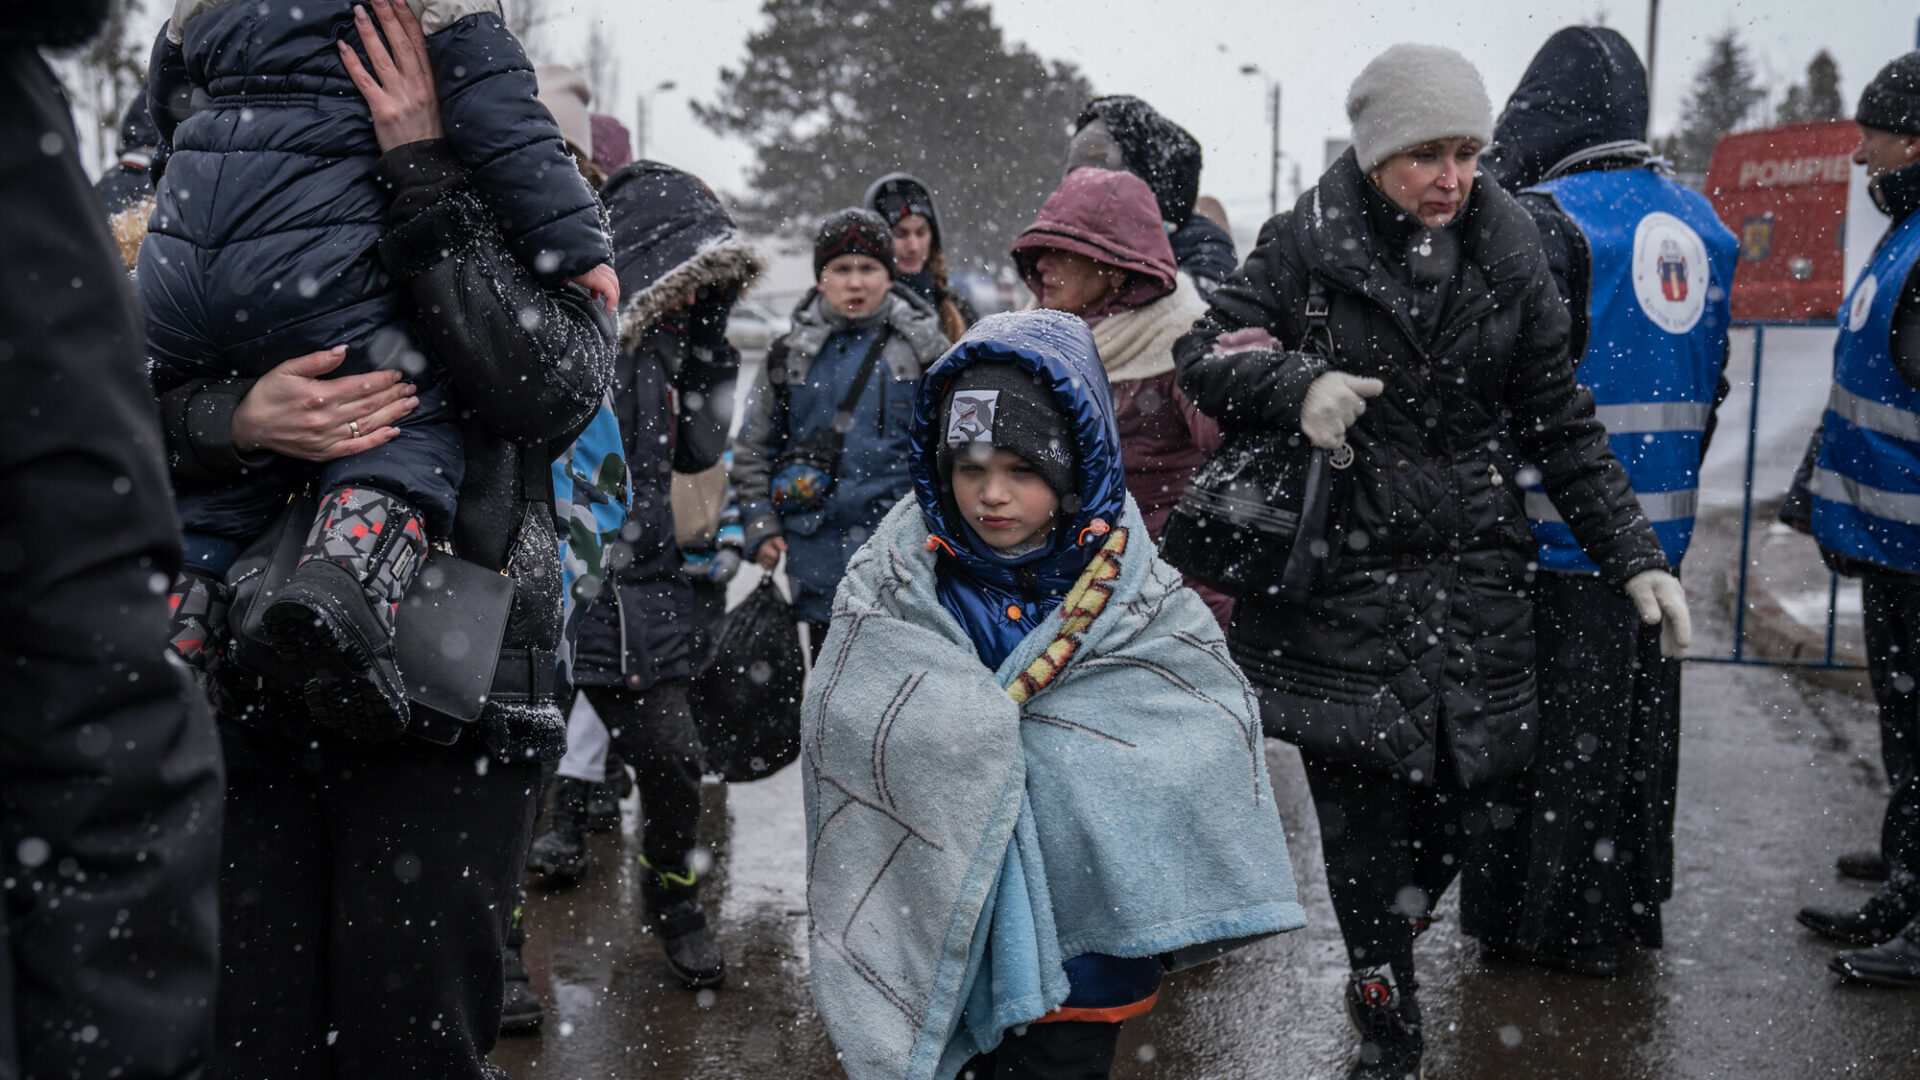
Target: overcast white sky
{"x": 1184, "y": 56}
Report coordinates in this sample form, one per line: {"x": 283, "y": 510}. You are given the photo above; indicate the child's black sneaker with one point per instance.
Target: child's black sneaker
{"x": 337, "y": 612}
{"x": 673, "y": 906}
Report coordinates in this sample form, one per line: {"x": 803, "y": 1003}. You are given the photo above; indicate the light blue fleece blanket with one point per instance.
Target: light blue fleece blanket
{"x": 969, "y": 830}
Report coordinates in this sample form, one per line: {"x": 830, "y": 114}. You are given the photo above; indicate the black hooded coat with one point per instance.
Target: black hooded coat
{"x": 1418, "y": 629}
{"x": 1168, "y": 158}
{"x": 674, "y": 398}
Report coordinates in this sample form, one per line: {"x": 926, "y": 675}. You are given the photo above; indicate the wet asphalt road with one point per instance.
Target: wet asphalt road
{"x": 1777, "y": 777}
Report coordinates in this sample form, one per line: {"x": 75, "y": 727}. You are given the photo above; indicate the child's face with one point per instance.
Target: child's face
{"x": 1002, "y": 498}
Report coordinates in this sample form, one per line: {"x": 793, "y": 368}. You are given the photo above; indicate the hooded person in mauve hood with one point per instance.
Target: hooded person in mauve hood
{"x": 1098, "y": 250}
{"x": 1124, "y": 132}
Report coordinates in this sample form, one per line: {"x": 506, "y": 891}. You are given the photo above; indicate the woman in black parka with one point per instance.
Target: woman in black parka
{"x": 1405, "y": 677}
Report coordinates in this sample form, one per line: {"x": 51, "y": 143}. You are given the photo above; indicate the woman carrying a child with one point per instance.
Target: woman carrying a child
{"x": 1033, "y": 777}
{"x": 366, "y": 887}
{"x": 857, "y": 332}
{"x": 1405, "y": 675}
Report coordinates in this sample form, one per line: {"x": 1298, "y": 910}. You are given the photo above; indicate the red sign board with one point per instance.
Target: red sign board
{"x": 1783, "y": 192}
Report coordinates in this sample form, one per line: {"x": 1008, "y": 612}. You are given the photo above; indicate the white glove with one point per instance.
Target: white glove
{"x": 1661, "y": 599}
{"x": 1333, "y": 402}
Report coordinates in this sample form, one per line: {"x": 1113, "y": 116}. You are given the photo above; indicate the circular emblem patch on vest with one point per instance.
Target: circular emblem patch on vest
{"x": 1669, "y": 272}
{"x": 1862, "y": 304}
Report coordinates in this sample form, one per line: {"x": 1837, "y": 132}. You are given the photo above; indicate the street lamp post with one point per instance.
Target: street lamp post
{"x": 643, "y": 120}
{"x": 1273, "y": 108}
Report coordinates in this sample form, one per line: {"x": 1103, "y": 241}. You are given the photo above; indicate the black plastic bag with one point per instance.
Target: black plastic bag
{"x": 745, "y": 694}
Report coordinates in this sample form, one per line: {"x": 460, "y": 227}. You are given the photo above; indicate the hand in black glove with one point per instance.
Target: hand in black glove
{"x": 707, "y": 319}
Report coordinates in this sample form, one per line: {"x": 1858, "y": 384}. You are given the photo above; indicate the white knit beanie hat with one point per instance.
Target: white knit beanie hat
{"x": 564, "y": 92}
{"x": 1414, "y": 94}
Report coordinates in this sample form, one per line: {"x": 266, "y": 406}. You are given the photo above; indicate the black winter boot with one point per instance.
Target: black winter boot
{"x": 1387, "y": 1019}
{"x": 559, "y": 855}
{"x": 1897, "y": 963}
{"x": 1863, "y": 865}
{"x": 673, "y": 905}
{"x": 337, "y": 612}
{"x": 1889, "y": 909}
{"x": 521, "y": 1011}
{"x": 603, "y": 801}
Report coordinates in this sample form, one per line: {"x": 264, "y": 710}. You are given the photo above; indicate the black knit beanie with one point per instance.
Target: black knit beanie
{"x": 1891, "y": 102}
{"x": 852, "y": 231}
{"x": 896, "y": 195}
{"x": 1007, "y": 408}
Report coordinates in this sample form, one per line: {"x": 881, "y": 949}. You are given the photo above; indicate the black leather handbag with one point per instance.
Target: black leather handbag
{"x": 1253, "y": 519}
{"x": 447, "y": 633}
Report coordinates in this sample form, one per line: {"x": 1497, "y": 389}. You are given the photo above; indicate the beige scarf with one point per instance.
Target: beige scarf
{"x": 1138, "y": 344}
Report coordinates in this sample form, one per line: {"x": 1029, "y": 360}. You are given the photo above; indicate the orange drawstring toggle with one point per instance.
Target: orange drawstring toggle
{"x": 1013, "y": 612}
{"x": 1098, "y": 527}
{"x": 934, "y": 543}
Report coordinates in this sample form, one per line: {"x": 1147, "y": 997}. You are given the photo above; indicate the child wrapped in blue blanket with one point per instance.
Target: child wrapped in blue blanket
{"x": 1033, "y": 777}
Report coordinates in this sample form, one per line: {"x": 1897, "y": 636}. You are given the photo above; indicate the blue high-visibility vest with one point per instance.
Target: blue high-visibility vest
{"x": 1662, "y": 278}
{"x": 1866, "y": 483}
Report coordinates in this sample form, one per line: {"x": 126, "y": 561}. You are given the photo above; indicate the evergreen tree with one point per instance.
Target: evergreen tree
{"x": 1819, "y": 97}
{"x": 836, "y": 93}
{"x": 1724, "y": 93}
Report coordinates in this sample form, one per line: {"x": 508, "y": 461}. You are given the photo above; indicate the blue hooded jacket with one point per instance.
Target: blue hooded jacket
{"x": 997, "y": 600}
{"x": 979, "y": 586}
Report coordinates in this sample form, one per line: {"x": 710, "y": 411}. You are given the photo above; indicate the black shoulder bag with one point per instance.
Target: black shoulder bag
{"x": 803, "y": 474}
{"x": 1253, "y": 519}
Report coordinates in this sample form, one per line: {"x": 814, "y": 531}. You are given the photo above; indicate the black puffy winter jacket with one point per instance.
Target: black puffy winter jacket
{"x": 263, "y": 242}
{"x": 1418, "y": 628}
{"x": 674, "y": 397}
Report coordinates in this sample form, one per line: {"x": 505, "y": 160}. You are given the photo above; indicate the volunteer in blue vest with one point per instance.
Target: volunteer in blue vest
{"x": 1865, "y": 507}
{"x": 1646, "y": 269}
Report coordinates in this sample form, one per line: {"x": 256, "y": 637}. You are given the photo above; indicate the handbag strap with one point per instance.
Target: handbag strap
{"x": 843, "y": 415}
{"x": 1317, "y": 312}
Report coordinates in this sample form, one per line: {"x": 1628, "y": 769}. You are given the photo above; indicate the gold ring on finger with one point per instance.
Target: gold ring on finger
{"x": 354, "y": 426}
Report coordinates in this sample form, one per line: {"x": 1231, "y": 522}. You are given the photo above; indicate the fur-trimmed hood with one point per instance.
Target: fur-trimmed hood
{"x": 671, "y": 237}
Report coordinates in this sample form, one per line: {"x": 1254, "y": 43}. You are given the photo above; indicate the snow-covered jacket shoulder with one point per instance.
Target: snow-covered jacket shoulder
{"x": 263, "y": 237}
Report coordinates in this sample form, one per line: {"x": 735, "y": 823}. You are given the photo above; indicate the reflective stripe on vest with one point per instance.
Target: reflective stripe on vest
{"x": 1658, "y": 314}
{"x": 1866, "y": 483}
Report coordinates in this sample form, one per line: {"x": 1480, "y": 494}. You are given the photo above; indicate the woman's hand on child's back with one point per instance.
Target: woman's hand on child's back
{"x": 291, "y": 410}
{"x": 604, "y": 284}
{"x": 399, "y": 91}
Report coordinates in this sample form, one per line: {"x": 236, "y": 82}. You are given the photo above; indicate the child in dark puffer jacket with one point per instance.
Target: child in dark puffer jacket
{"x": 262, "y": 248}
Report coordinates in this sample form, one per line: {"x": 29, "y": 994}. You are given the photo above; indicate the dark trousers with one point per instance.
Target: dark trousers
{"x": 1892, "y": 631}
{"x": 364, "y": 904}
{"x": 653, "y": 731}
{"x": 1590, "y": 859}
{"x": 1391, "y": 849}
{"x": 1065, "y": 1050}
